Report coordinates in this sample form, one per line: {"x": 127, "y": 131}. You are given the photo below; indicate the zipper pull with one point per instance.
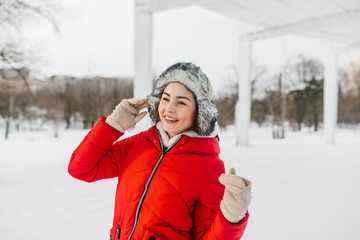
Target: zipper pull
{"x": 118, "y": 231}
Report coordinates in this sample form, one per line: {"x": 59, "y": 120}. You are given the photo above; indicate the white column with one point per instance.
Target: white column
{"x": 243, "y": 106}
{"x": 143, "y": 77}
{"x": 143, "y": 53}
{"x": 330, "y": 97}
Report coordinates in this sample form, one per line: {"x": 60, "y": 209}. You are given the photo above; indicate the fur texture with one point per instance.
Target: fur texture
{"x": 197, "y": 82}
{"x": 191, "y": 133}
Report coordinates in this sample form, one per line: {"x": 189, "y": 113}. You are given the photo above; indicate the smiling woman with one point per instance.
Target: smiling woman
{"x": 171, "y": 181}
{"x": 177, "y": 109}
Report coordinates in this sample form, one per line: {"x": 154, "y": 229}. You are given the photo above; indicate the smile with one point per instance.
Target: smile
{"x": 170, "y": 119}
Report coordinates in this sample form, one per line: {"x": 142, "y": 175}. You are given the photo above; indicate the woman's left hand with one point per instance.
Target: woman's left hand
{"x": 237, "y": 196}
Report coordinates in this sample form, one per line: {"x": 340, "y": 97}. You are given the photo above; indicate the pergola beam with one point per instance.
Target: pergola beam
{"x": 306, "y": 26}
{"x": 163, "y": 5}
{"x": 348, "y": 48}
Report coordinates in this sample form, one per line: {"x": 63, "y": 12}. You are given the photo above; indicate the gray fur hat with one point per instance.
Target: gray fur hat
{"x": 197, "y": 82}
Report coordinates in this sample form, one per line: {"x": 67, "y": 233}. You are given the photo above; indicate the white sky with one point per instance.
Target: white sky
{"x": 97, "y": 37}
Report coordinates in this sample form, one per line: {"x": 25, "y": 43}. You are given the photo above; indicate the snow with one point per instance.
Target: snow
{"x": 302, "y": 187}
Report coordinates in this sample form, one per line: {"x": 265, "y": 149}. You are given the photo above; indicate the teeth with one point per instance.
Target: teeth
{"x": 170, "y": 119}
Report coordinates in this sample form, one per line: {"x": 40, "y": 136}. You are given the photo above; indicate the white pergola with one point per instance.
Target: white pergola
{"x": 337, "y": 21}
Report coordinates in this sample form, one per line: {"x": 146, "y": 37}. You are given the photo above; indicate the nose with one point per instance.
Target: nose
{"x": 170, "y": 107}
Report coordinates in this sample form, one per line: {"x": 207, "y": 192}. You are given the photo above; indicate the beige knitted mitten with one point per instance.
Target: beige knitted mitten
{"x": 126, "y": 113}
{"x": 236, "y": 197}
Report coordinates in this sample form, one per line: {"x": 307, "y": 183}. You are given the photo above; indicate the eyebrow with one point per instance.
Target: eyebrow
{"x": 181, "y": 97}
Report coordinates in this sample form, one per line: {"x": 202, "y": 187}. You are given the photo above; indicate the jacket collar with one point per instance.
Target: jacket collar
{"x": 190, "y": 142}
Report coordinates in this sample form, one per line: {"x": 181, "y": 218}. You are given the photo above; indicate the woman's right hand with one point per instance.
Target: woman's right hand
{"x": 126, "y": 113}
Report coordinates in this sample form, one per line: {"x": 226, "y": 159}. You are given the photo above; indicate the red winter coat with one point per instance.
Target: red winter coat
{"x": 169, "y": 195}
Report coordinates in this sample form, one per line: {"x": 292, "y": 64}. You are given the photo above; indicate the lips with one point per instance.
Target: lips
{"x": 170, "y": 119}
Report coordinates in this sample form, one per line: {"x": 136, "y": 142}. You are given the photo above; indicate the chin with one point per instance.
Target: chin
{"x": 170, "y": 131}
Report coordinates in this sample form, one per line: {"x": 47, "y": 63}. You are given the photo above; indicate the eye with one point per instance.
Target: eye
{"x": 165, "y": 99}
{"x": 182, "y": 103}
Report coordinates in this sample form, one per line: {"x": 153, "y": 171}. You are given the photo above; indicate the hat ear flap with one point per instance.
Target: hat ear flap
{"x": 153, "y": 108}
{"x": 206, "y": 117}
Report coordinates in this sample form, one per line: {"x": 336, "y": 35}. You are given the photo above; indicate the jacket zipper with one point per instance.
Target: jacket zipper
{"x": 146, "y": 188}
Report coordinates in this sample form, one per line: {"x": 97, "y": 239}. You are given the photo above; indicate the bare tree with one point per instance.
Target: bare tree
{"x": 314, "y": 95}
{"x": 349, "y": 110}
{"x": 99, "y": 96}
{"x": 54, "y": 106}
{"x": 305, "y": 91}
{"x": 62, "y": 88}
{"x": 226, "y": 106}
{"x": 349, "y": 99}
{"x": 272, "y": 100}
{"x": 114, "y": 90}
{"x": 297, "y": 106}
{"x": 227, "y": 98}
{"x": 15, "y": 98}
{"x": 259, "y": 111}
{"x": 13, "y": 16}
{"x": 349, "y": 104}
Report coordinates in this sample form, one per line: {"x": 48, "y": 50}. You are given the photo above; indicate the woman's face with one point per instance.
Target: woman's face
{"x": 177, "y": 109}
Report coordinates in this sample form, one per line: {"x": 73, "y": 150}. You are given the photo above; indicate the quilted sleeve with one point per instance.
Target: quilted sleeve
{"x": 209, "y": 222}
{"x": 97, "y": 156}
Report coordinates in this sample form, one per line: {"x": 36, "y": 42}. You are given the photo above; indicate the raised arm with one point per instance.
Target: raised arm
{"x": 97, "y": 157}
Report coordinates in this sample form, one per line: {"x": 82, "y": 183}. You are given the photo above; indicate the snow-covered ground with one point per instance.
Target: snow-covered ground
{"x": 302, "y": 187}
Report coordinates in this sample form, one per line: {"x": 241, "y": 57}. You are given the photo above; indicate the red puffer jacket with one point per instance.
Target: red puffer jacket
{"x": 171, "y": 194}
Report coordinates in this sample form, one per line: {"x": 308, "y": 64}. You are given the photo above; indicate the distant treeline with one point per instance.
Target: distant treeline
{"x": 294, "y": 97}
{"x": 79, "y": 102}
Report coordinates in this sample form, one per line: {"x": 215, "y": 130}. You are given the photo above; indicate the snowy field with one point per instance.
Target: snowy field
{"x": 302, "y": 188}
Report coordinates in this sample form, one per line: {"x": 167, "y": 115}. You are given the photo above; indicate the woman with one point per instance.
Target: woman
{"x": 171, "y": 181}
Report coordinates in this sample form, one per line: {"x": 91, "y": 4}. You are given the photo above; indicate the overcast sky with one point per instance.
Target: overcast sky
{"x": 96, "y": 38}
